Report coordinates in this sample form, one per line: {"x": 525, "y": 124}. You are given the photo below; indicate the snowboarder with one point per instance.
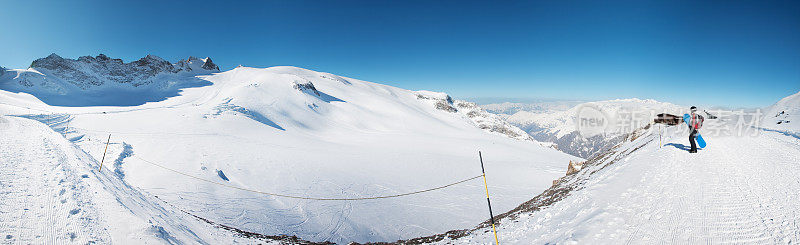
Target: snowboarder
{"x": 696, "y": 121}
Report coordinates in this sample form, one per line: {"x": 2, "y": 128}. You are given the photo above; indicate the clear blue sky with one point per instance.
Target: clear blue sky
{"x": 706, "y": 53}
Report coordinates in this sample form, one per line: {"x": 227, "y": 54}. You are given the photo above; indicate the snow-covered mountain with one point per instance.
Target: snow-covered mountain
{"x": 296, "y": 132}
{"x": 100, "y": 80}
{"x": 510, "y": 108}
{"x": 784, "y": 115}
{"x": 483, "y": 119}
{"x": 561, "y": 127}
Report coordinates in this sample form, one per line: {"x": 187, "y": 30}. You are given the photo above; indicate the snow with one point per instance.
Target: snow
{"x": 784, "y": 116}
{"x": 563, "y": 122}
{"x": 510, "y": 108}
{"x": 102, "y": 81}
{"x": 299, "y": 132}
{"x": 560, "y": 127}
{"x": 52, "y": 193}
{"x": 740, "y": 189}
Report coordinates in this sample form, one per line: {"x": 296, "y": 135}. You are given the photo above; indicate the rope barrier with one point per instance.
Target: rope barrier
{"x": 151, "y": 133}
{"x": 263, "y": 192}
{"x": 302, "y": 197}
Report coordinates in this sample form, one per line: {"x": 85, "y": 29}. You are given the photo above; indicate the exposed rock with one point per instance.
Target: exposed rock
{"x": 574, "y": 167}
{"x": 561, "y": 127}
{"x": 442, "y": 105}
{"x": 306, "y": 86}
{"x": 482, "y": 119}
{"x": 87, "y": 71}
{"x": 335, "y": 78}
{"x": 209, "y": 65}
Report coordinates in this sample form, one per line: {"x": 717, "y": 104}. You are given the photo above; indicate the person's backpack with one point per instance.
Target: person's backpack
{"x": 697, "y": 121}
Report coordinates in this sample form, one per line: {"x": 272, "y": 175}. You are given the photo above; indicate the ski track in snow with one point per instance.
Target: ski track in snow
{"x": 726, "y": 194}
{"x": 43, "y": 199}
{"x": 50, "y": 193}
{"x": 738, "y": 190}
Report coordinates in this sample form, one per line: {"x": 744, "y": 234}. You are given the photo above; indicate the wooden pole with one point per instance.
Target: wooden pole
{"x": 485, "y": 185}
{"x": 104, "y": 152}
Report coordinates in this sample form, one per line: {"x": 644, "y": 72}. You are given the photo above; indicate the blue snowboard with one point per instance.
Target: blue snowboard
{"x": 701, "y": 143}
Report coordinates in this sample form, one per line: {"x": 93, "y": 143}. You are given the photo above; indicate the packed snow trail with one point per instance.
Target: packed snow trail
{"x": 741, "y": 189}
{"x": 43, "y": 200}
{"x": 50, "y": 193}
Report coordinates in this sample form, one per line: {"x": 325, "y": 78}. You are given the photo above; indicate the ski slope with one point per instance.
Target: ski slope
{"x": 51, "y": 192}
{"x": 304, "y": 133}
{"x": 740, "y": 189}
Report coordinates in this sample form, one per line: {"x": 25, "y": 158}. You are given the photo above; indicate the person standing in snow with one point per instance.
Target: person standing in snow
{"x": 696, "y": 121}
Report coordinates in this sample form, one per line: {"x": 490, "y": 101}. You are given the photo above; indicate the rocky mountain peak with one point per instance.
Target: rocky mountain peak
{"x": 152, "y": 60}
{"x": 99, "y": 59}
{"x": 87, "y": 71}
{"x": 53, "y": 56}
{"x": 52, "y": 61}
{"x": 209, "y": 65}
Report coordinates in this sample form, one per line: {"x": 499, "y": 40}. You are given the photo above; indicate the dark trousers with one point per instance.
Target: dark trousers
{"x": 692, "y": 142}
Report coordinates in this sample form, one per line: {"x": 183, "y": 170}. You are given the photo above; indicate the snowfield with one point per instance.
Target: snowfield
{"x": 52, "y": 193}
{"x": 296, "y": 132}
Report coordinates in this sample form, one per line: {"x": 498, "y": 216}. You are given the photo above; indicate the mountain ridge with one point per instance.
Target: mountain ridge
{"x": 104, "y": 80}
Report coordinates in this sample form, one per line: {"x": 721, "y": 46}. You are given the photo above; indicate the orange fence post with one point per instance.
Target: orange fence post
{"x": 104, "y": 153}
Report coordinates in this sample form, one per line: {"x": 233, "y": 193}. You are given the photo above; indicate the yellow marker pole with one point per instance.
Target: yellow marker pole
{"x": 491, "y": 216}
{"x": 104, "y": 153}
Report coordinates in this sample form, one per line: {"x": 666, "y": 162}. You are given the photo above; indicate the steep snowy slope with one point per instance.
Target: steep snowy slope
{"x": 484, "y": 120}
{"x": 561, "y": 127}
{"x": 92, "y": 81}
{"x": 740, "y": 189}
{"x": 784, "y": 116}
{"x": 52, "y": 193}
{"x": 299, "y": 132}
